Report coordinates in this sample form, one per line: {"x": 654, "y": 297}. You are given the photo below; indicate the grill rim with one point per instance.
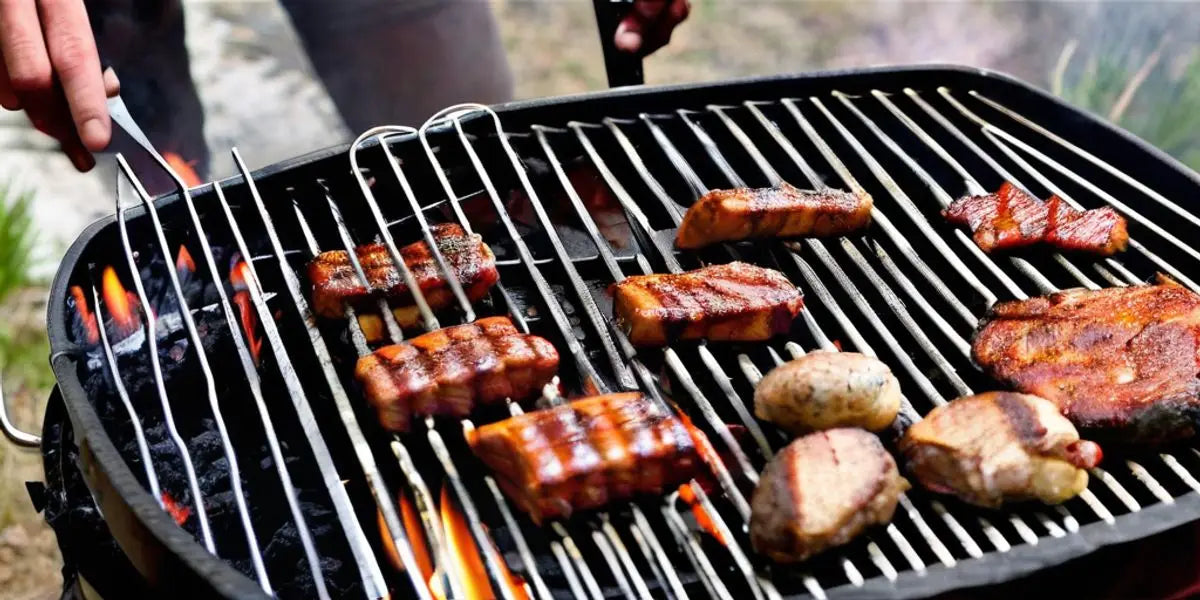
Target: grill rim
{"x": 173, "y": 557}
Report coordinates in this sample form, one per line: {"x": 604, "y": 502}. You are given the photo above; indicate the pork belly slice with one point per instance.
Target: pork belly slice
{"x": 1011, "y": 218}
{"x": 1120, "y": 363}
{"x": 448, "y": 371}
{"x": 774, "y": 212}
{"x": 733, "y": 302}
{"x": 587, "y": 454}
{"x": 336, "y": 284}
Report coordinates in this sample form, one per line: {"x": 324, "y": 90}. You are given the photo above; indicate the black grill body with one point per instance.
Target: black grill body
{"x": 171, "y": 559}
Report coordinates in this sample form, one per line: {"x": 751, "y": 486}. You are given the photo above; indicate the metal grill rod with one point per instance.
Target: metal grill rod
{"x": 1092, "y": 158}
{"x": 368, "y": 567}
{"x": 568, "y": 265}
{"x": 672, "y": 359}
{"x": 1124, "y": 208}
{"x": 720, "y": 468}
{"x": 828, "y": 301}
{"x": 901, "y": 542}
{"x": 1021, "y": 527}
{"x": 1112, "y": 483}
{"x": 134, "y": 419}
{"x": 156, "y": 366}
{"x": 482, "y": 541}
{"x": 255, "y": 386}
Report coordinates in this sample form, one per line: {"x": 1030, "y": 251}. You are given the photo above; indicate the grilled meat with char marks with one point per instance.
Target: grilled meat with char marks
{"x": 821, "y": 491}
{"x": 733, "y": 302}
{"x": 783, "y": 211}
{"x": 586, "y": 454}
{"x": 1011, "y": 218}
{"x": 336, "y": 284}
{"x": 448, "y": 371}
{"x": 1120, "y": 363}
{"x": 996, "y": 447}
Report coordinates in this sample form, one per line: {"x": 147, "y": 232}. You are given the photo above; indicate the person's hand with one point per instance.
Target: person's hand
{"x": 649, "y": 25}
{"x": 50, "y": 69}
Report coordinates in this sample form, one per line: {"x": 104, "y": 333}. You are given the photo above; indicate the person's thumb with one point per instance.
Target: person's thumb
{"x": 631, "y": 31}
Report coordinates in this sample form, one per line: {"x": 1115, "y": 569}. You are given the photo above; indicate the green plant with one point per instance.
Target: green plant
{"x": 1152, "y": 96}
{"x": 16, "y": 238}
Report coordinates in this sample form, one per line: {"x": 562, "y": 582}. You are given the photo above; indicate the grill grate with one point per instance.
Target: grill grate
{"x": 907, "y": 291}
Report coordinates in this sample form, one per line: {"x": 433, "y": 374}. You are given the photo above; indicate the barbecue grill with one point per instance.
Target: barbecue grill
{"x": 254, "y": 468}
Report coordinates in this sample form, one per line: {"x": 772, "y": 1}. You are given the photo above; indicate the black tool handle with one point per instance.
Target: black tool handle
{"x": 622, "y": 67}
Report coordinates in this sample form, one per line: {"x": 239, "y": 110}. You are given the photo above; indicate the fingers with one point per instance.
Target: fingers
{"x": 649, "y": 25}
{"x": 75, "y": 60}
{"x": 24, "y": 51}
{"x": 8, "y": 99}
{"x": 112, "y": 85}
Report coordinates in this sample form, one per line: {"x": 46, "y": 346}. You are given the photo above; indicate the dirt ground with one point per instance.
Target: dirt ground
{"x": 553, "y": 48}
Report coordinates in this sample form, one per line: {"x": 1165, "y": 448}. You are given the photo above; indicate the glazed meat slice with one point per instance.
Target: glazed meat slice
{"x": 448, "y": 371}
{"x": 586, "y": 454}
{"x": 822, "y": 491}
{"x": 997, "y": 447}
{"x": 733, "y": 302}
{"x": 1120, "y": 363}
{"x": 336, "y": 284}
{"x": 783, "y": 211}
{"x": 1011, "y": 218}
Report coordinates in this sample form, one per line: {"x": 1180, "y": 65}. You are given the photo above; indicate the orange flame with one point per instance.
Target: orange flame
{"x": 85, "y": 315}
{"x": 703, "y": 519}
{"x": 119, "y": 303}
{"x": 416, "y": 538}
{"x": 178, "y": 511}
{"x": 467, "y": 562}
{"x": 184, "y": 168}
{"x": 183, "y": 262}
{"x": 239, "y": 275}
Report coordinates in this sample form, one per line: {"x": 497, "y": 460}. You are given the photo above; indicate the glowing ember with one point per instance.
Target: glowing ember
{"x": 85, "y": 315}
{"x": 703, "y": 519}
{"x": 119, "y": 303}
{"x": 184, "y": 263}
{"x": 837, "y": 344}
{"x": 184, "y": 169}
{"x": 178, "y": 511}
{"x": 416, "y": 538}
{"x": 466, "y": 561}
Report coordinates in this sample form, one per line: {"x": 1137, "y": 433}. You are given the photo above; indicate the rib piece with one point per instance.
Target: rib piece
{"x": 1011, "y": 218}
{"x": 997, "y": 447}
{"x": 821, "y": 491}
{"x": 336, "y": 284}
{"x": 1121, "y": 363}
{"x": 733, "y": 302}
{"x": 448, "y": 371}
{"x": 587, "y": 454}
{"x": 784, "y": 211}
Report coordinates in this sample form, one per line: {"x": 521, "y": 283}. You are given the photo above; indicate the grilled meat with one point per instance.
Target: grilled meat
{"x": 1011, "y": 218}
{"x": 336, "y": 284}
{"x": 784, "y": 211}
{"x": 1120, "y": 363}
{"x": 823, "y": 390}
{"x": 997, "y": 447}
{"x": 733, "y": 302}
{"x": 446, "y": 372}
{"x": 822, "y": 491}
{"x": 586, "y": 454}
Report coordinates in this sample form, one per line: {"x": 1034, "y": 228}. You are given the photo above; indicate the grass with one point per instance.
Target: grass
{"x": 1110, "y": 84}
{"x": 23, "y": 348}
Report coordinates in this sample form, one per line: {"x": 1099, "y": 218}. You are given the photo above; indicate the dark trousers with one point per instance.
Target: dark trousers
{"x": 381, "y": 61}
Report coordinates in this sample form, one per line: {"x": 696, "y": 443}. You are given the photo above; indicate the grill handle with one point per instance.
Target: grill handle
{"x": 14, "y": 435}
{"x": 623, "y": 68}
